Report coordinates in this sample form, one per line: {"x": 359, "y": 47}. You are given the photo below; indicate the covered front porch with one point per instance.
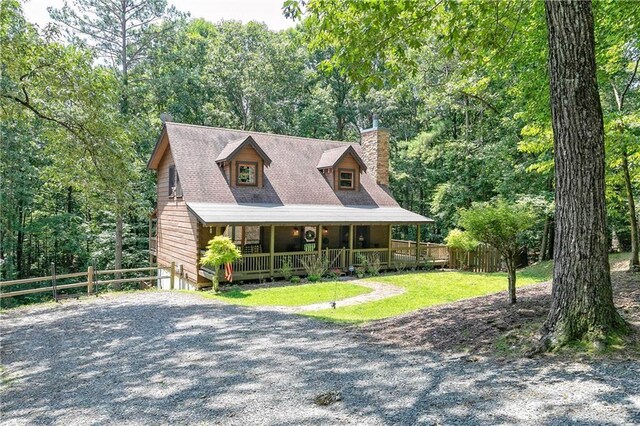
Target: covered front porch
{"x": 266, "y": 248}
{"x": 270, "y": 235}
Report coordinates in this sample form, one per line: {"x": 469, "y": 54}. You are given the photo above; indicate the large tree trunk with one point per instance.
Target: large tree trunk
{"x": 634, "y": 262}
{"x": 582, "y": 305}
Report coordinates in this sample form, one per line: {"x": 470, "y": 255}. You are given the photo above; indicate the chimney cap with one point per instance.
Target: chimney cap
{"x": 375, "y": 125}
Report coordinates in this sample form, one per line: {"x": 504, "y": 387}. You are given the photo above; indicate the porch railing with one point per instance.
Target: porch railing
{"x": 370, "y": 255}
{"x": 401, "y": 254}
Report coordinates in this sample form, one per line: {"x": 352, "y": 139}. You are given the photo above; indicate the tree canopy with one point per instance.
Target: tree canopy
{"x": 462, "y": 86}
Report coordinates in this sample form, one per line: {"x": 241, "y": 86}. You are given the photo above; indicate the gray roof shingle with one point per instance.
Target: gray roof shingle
{"x": 331, "y": 157}
{"x": 291, "y": 179}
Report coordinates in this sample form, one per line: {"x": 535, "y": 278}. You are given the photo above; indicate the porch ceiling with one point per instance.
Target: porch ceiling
{"x": 301, "y": 214}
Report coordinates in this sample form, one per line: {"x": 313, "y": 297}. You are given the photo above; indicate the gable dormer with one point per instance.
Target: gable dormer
{"x": 341, "y": 167}
{"x": 243, "y": 163}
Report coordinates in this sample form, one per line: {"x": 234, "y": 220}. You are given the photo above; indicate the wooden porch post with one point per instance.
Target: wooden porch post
{"x": 389, "y": 253}
{"x": 417, "y": 244}
{"x": 319, "y": 239}
{"x": 351, "y": 230}
{"x": 272, "y": 245}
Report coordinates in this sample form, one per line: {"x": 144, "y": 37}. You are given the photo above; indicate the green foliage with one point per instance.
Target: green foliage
{"x": 368, "y": 264}
{"x": 220, "y": 251}
{"x": 462, "y": 86}
{"x": 315, "y": 266}
{"x": 462, "y": 240}
{"x": 294, "y": 279}
{"x": 287, "y": 268}
{"x": 500, "y": 224}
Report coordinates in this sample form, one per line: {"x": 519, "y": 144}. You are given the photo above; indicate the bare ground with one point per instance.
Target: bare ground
{"x": 490, "y": 325}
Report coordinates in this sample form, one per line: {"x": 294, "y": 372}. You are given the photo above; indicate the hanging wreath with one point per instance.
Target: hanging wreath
{"x": 309, "y": 235}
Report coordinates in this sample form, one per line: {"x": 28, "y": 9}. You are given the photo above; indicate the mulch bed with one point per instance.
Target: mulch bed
{"x": 490, "y": 325}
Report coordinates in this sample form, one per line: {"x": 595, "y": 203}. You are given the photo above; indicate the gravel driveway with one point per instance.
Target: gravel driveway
{"x": 173, "y": 358}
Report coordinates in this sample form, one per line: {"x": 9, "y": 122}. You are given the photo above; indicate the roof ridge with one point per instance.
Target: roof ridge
{"x": 260, "y": 133}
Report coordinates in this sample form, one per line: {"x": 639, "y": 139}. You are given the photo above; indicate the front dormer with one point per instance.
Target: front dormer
{"x": 243, "y": 163}
{"x": 341, "y": 167}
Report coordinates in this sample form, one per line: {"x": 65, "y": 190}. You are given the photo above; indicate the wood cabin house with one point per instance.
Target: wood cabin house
{"x": 279, "y": 198}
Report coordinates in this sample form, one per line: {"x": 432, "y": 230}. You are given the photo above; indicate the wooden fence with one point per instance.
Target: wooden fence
{"x": 90, "y": 279}
{"x": 483, "y": 259}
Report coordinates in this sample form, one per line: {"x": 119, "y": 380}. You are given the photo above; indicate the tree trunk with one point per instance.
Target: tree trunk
{"x": 582, "y": 300}
{"x": 634, "y": 262}
{"x": 545, "y": 240}
{"x": 511, "y": 270}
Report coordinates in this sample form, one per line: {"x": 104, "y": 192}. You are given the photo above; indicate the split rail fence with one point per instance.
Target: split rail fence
{"x": 91, "y": 279}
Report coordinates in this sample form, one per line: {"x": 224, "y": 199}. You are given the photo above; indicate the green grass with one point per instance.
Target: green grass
{"x": 295, "y": 295}
{"x": 433, "y": 288}
{"x": 425, "y": 289}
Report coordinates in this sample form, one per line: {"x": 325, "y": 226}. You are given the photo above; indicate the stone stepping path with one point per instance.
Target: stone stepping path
{"x": 380, "y": 291}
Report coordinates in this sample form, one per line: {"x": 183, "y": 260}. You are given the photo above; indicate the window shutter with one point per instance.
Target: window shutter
{"x": 178, "y": 186}
{"x": 172, "y": 179}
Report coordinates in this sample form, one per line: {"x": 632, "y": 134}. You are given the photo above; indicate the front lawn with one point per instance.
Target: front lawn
{"x": 294, "y": 295}
{"x": 427, "y": 289}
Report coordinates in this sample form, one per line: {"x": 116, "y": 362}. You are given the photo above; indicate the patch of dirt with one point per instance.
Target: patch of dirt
{"x": 490, "y": 325}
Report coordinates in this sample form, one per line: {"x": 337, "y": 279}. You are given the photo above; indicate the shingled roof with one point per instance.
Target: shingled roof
{"x": 234, "y": 147}
{"x": 291, "y": 179}
{"x": 331, "y": 157}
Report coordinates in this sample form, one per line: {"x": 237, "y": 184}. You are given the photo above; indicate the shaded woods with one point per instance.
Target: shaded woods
{"x": 79, "y": 117}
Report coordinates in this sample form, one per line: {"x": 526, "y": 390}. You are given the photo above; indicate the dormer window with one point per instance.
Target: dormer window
{"x": 347, "y": 179}
{"x": 246, "y": 174}
{"x": 341, "y": 167}
{"x": 243, "y": 163}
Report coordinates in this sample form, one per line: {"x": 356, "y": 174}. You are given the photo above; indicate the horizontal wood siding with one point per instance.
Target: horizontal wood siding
{"x": 348, "y": 162}
{"x": 177, "y": 229}
{"x": 247, "y": 154}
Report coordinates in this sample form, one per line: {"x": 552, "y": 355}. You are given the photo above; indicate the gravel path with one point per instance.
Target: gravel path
{"x": 380, "y": 291}
{"x": 170, "y": 358}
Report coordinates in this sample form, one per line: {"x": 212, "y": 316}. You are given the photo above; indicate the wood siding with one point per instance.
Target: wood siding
{"x": 249, "y": 155}
{"x": 177, "y": 228}
{"x": 348, "y": 163}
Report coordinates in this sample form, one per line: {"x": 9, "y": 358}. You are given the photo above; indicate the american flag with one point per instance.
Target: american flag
{"x": 228, "y": 272}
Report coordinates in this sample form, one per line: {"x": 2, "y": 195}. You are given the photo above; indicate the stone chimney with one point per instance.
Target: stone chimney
{"x": 375, "y": 147}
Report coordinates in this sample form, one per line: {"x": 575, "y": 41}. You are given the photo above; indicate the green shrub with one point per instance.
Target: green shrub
{"x": 374, "y": 265}
{"x": 503, "y": 225}
{"x": 462, "y": 240}
{"x": 220, "y": 251}
{"x": 315, "y": 265}
{"x": 287, "y": 268}
{"x": 294, "y": 279}
{"x": 314, "y": 278}
{"x": 368, "y": 264}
